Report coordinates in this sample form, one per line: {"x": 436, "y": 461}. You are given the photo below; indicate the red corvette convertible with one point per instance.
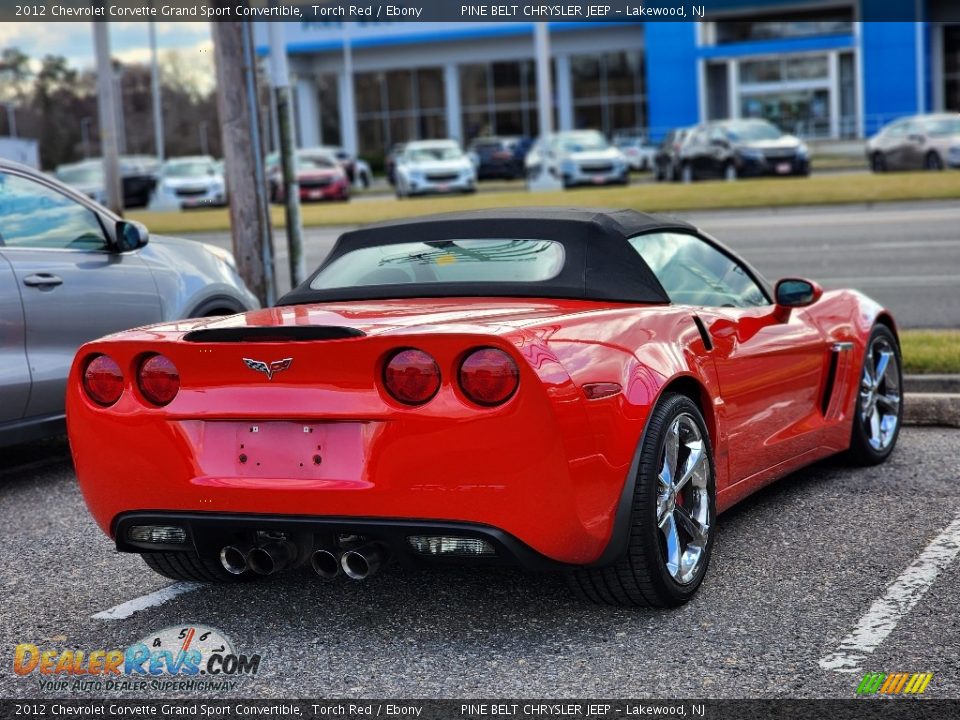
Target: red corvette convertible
{"x": 560, "y": 389}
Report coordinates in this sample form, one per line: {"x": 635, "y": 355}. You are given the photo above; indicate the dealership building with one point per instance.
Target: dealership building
{"x": 834, "y": 70}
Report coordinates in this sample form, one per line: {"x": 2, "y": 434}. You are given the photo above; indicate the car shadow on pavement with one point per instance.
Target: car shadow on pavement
{"x": 21, "y": 462}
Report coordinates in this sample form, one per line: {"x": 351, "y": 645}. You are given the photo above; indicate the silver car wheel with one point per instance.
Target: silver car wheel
{"x": 880, "y": 394}
{"x": 683, "y": 501}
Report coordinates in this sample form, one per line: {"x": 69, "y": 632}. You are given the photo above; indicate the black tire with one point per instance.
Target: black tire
{"x": 878, "y": 163}
{"x": 932, "y": 162}
{"x": 861, "y": 452}
{"x": 189, "y": 566}
{"x": 640, "y": 577}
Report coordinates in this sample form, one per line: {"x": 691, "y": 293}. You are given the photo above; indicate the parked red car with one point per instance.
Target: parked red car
{"x": 566, "y": 389}
{"x": 319, "y": 174}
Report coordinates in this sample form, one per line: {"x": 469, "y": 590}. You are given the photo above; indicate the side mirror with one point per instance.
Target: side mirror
{"x": 794, "y": 292}
{"x": 131, "y": 235}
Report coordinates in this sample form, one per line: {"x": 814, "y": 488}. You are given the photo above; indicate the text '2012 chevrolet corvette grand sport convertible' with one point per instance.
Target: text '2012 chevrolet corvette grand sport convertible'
{"x": 577, "y": 390}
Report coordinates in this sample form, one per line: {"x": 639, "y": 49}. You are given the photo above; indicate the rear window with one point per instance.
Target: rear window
{"x": 444, "y": 261}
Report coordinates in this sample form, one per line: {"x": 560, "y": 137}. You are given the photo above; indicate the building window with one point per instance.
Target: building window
{"x": 498, "y": 98}
{"x": 794, "y": 92}
{"x": 609, "y": 92}
{"x": 771, "y": 27}
{"x": 801, "y": 112}
{"x": 328, "y": 99}
{"x": 951, "y": 67}
{"x": 398, "y": 106}
{"x": 718, "y": 91}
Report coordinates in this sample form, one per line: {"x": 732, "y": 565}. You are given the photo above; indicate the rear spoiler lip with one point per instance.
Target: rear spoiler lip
{"x": 272, "y": 333}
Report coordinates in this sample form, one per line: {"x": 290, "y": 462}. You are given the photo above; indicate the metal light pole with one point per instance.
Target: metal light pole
{"x": 108, "y": 117}
{"x": 280, "y": 79}
{"x": 85, "y": 135}
{"x": 259, "y": 173}
{"x": 118, "y": 104}
{"x": 155, "y": 93}
{"x": 541, "y": 45}
{"x": 11, "y": 119}
{"x": 348, "y": 133}
{"x": 202, "y": 132}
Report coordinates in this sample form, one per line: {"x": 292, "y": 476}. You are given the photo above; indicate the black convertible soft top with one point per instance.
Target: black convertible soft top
{"x": 599, "y": 262}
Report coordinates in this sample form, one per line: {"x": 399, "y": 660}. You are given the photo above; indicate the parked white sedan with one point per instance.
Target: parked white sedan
{"x": 434, "y": 166}
{"x": 187, "y": 182}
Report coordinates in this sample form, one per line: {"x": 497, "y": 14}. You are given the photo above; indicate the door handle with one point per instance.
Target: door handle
{"x": 42, "y": 280}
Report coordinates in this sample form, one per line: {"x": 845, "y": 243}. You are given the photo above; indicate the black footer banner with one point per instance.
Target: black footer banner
{"x": 854, "y": 709}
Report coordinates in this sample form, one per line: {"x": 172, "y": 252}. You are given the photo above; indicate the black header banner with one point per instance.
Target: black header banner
{"x": 390, "y": 11}
{"x": 853, "y": 709}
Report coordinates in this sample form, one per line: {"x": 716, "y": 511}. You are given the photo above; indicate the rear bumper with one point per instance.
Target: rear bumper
{"x": 208, "y": 533}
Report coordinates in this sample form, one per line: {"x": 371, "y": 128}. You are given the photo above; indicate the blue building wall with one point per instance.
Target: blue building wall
{"x": 671, "y": 67}
{"x": 890, "y": 72}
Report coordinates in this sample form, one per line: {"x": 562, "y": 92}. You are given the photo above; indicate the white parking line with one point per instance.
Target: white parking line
{"x": 898, "y": 599}
{"x": 157, "y": 597}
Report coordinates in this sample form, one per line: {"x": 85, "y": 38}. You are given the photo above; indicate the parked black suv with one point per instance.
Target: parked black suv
{"x": 741, "y": 148}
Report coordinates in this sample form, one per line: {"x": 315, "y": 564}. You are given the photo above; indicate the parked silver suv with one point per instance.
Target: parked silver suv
{"x": 72, "y": 271}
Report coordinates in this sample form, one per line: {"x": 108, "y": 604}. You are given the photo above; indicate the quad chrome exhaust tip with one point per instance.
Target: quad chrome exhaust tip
{"x": 363, "y": 562}
{"x": 234, "y": 559}
{"x": 325, "y": 563}
{"x": 270, "y": 558}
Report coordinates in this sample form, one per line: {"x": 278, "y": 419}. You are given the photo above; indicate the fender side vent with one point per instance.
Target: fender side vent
{"x": 837, "y": 385}
{"x": 704, "y": 335}
{"x": 828, "y": 385}
{"x": 293, "y": 333}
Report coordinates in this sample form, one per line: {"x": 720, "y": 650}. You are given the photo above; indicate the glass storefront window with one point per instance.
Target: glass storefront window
{"x": 801, "y": 112}
{"x": 430, "y": 89}
{"x": 586, "y": 76}
{"x": 399, "y": 90}
{"x": 609, "y": 91}
{"x": 951, "y": 67}
{"x": 398, "y": 106}
{"x": 771, "y": 27}
{"x": 804, "y": 67}
{"x": 498, "y": 98}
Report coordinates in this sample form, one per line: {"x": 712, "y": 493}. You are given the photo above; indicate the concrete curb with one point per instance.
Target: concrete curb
{"x": 923, "y": 408}
{"x": 931, "y": 383}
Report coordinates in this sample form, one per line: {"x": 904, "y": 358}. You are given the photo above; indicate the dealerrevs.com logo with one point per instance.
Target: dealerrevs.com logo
{"x": 894, "y": 683}
{"x": 184, "y": 658}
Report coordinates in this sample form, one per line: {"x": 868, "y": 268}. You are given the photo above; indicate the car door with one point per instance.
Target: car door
{"x": 718, "y": 150}
{"x": 894, "y": 143}
{"x": 696, "y": 153}
{"x": 14, "y": 372}
{"x": 914, "y": 146}
{"x": 74, "y": 288}
{"x": 770, "y": 369}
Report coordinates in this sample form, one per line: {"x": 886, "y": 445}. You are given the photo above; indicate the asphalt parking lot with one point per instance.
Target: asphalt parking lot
{"x": 796, "y": 568}
{"x": 904, "y": 255}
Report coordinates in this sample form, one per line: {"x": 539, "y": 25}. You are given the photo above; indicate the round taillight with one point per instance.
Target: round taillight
{"x": 158, "y": 379}
{"x": 103, "y": 380}
{"x": 412, "y": 377}
{"x": 489, "y": 376}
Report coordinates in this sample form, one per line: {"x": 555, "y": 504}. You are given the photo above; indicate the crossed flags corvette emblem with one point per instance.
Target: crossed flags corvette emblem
{"x": 268, "y": 369}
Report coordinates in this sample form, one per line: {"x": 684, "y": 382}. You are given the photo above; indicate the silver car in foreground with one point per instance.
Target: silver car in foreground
{"x": 928, "y": 142}
{"x": 72, "y": 271}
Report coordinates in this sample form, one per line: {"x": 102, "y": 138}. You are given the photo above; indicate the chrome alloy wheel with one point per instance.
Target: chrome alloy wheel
{"x": 683, "y": 501}
{"x": 880, "y": 394}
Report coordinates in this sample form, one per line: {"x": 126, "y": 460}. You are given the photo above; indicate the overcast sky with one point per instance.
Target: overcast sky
{"x": 129, "y": 41}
